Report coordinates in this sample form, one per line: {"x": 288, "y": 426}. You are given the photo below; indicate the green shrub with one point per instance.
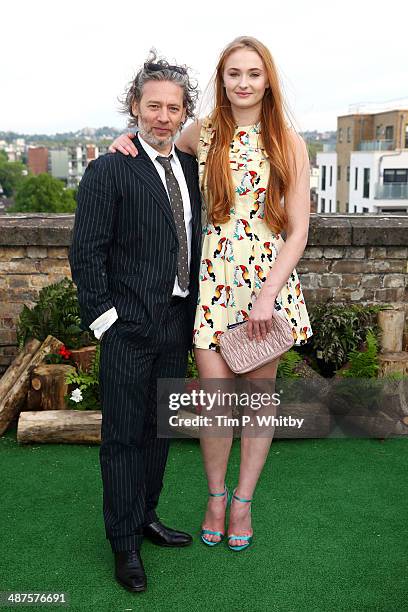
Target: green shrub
{"x": 57, "y": 313}
{"x": 85, "y": 387}
{"x": 287, "y": 364}
{"x": 339, "y": 329}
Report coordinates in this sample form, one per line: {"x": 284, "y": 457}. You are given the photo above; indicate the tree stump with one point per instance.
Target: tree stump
{"x": 392, "y": 324}
{"x": 59, "y": 427}
{"x": 84, "y": 357}
{"x": 48, "y": 387}
{"x": 393, "y": 362}
{"x": 14, "y": 400}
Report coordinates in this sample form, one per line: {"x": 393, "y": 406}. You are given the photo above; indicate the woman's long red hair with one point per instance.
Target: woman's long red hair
{"x": 275, "y": 138}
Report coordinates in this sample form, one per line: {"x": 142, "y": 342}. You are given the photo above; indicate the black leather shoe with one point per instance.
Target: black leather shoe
{"x": 157, "y": 533}
{"x": 129, "y": 571}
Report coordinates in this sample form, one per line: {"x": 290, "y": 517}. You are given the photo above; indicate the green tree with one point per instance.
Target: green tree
{"x": 43, "y": 193}
{"x": 11, "y": 176}
{"x": 3, "y": 157}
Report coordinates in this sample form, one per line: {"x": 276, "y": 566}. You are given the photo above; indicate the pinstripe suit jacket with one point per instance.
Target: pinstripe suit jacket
{"x": 124, "y": 246}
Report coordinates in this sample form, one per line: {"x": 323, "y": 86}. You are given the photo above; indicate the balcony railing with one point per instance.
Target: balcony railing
{"x": 391, "y": 191}
{"x": 376, "y": 145}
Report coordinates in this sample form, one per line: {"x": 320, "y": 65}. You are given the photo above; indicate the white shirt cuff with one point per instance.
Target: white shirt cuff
{"x": 102, "y": 323}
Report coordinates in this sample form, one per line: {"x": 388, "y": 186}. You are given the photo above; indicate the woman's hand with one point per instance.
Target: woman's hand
{"x": 260, "y": 318}
{"x": 124, "y": 144}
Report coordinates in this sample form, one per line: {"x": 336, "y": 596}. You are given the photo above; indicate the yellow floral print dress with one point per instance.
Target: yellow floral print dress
{"x": 237, "y": 255}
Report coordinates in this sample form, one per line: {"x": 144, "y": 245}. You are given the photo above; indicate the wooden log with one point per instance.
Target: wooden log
{"x": 394, "y": 362}
{"x": 59, "y": 427}
{"x": 48, "y": 387}
{"x": 18, "y": 365}
{"x": 318, "y": 386}
{"x": 15, "y": 398}
{"x": 391, "y": 323}
{"x": 84, "y": 357}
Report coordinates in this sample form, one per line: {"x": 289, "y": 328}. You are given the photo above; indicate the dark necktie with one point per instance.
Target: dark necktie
{"x": 176, "y": 202}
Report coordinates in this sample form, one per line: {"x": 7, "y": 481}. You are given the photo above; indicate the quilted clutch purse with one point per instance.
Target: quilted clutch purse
{"x": 244, "y": 355}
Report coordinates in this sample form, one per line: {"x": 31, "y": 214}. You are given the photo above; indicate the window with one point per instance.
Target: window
{"x": 338, "y": 173}
{"x": 378, "y": 131}
{"x": 355, "y": 208}
{"x": 331, "y": 176}
{"x": 348, "y": 174}
{"x": 323, "y": 187}
{"x": 366, "y": 183}
{"x": 406, "y": 136}
{"x": 396, "y": 175}
{"x": 389, "y": 132}
{"x": 330, "y": 205}
{"x": 349, "y": 134}
{"x": 337, "y": 205}
{"x": 365, "y": 209}
{"x": 323, "y": 207}
{"x": 340, "y": 135}
{"x": 355, "y": 178}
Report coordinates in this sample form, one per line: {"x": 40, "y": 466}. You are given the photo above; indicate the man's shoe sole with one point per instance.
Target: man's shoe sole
{"x": 169, "y": 545}
{"x": 131, "y": 589}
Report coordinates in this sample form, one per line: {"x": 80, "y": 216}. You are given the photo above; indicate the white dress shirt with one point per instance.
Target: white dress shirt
{"x": 105, "y": 320}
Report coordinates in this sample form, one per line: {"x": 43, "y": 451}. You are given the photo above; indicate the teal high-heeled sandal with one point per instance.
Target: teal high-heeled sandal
{"x": 209, "y": 531}
{"x": 248, "y": 539}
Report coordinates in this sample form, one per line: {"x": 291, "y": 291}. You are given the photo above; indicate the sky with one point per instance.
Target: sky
{"x": 64, "y": 64}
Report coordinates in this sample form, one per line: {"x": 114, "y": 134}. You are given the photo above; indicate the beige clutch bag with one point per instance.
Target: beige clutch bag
{"x": 244, "y": 355}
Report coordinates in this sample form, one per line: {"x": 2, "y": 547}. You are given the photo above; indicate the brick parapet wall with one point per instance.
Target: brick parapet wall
{"x": 360, "y": 259}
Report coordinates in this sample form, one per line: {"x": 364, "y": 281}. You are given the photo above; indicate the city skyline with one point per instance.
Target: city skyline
{"x": 68, "y": 71}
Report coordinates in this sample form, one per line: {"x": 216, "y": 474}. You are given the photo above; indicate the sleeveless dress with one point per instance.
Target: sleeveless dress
{"x": 237, "y": 255}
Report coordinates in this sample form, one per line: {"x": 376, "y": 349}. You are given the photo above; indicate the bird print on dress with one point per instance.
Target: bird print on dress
{"x": 221, "y": 296}
{"x": 207, "y": 270}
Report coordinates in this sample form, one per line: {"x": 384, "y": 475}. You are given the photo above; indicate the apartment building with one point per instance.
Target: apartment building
{"x": 370, "y": 162}
{"x": 37, "y": 160}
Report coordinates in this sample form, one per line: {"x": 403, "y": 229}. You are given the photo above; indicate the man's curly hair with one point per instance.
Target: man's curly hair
{"x": 155, "y": 69}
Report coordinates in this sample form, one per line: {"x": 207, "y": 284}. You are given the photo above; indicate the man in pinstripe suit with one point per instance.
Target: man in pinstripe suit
{"x": 135, "y": 259}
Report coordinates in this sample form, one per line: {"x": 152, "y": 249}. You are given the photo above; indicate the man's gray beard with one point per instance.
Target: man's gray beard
{"x": 152, "y": 140}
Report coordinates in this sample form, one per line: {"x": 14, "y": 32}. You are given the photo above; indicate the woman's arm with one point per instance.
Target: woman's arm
{"x": 297, "y": 206}
{"x": 124, "y": 144}
{"x": 189, "y": 138}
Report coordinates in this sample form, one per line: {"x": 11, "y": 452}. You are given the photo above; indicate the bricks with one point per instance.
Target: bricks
{"x": 19, "y": 266}
{"x": 355, "y": 253}
{"x": 395, "y": 280}
{"x": 397, "y": 252}
{"x": 55, "y": 266}
{"x": 9, "y": 253}
{"x": 330, "y": 280}
{"x": 8, "y": 336}
{"x": 374, "y": 281}
{"x": 333, "y": 252}
{"x": 58, "y": 252}
{"x": 312, "y": 253}
{"x": 37, "y": 252}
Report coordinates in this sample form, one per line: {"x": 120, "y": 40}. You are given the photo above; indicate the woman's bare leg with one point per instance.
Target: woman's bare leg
{"x": 215, "y": 447}
{"x": 254, "y": 451}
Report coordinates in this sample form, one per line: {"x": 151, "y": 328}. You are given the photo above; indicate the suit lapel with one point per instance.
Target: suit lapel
{"x": 145, "y": 170}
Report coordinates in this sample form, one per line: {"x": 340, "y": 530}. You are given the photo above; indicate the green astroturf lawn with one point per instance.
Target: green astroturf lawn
{"x": 330, "y": 521}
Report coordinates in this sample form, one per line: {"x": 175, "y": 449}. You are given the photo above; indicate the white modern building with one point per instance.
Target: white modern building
{"x": 377, "y": 181}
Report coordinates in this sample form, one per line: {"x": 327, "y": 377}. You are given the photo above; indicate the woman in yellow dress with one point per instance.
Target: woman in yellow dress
{"x": 254, "y": 177}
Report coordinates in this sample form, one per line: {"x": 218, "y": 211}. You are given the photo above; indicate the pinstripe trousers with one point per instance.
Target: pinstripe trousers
{"x": 132, "y": 458}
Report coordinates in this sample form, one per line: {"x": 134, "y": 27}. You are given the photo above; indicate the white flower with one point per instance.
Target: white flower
{"x": 76, "y": 395}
